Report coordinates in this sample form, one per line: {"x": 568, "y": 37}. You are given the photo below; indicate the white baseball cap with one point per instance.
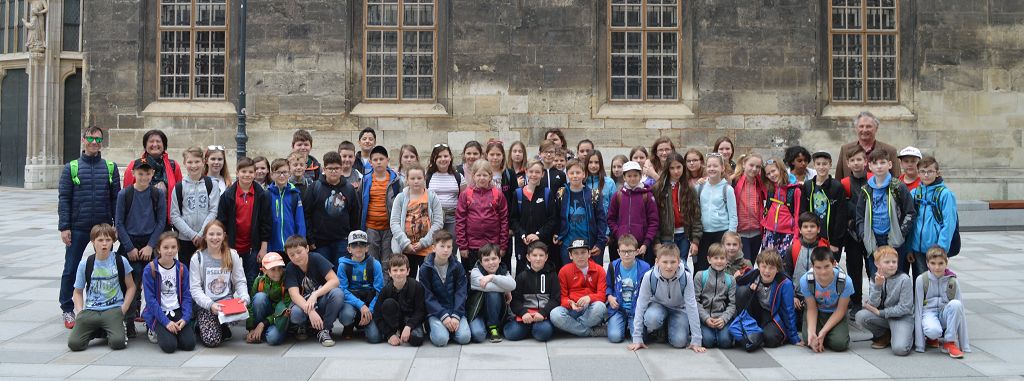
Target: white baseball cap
{"x": 631, "y": 166}
{"x": 910, "y": 151}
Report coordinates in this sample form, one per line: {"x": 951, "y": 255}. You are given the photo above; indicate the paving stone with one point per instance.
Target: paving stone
{"x": 935, "y": 364}
{"x": 83, "y": 357}
{"x": 362, "y": 369}
{"x": 208, "y": 361}
{"x": 596, "y": 368}
{"x": 100, "y": 372}
{"x": 433, "y": 369}
{"x": 25, "y": 357}
{"x": 33, "y": 311}
{"x": 756, "y": 359}
{"x": 12, "y": 329}
{"x": 981, "y": 327}
{"x": 427, "y": 351}
{"x": 1007, "y": 350}
{"x": 6, "y": 304}
{"x": 767, "y": 374}
{"x": 352, "y": 349}
{"x": 157, "y": 373}
{"x": 484, "y": 356}
{"x": 662, "y": 363}
{"x": 269, "y": 367}
{"x": 143, "y": 353}
{"x": 508, "y": 375}
{"x": 845, "y": 365}
{"x": 32, "y": 370}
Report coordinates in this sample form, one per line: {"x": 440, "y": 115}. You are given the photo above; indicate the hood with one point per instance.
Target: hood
{"x": 639, "y": 190}
{"x": 657, "y": 271}
{"x": 288, "y": 188}
{"x": 429, "y": 261}
{"x": 948, "y": 274}
{"x": 350, "y": 261}
{"x": 547, "y": 269}
{"x": 502, "y": 269}
{"x": 885, "y": 184}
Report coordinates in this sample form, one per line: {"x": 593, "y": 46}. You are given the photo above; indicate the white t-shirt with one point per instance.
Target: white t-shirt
{"x": 168, "y": 289}
{"x": 446, "y": 188}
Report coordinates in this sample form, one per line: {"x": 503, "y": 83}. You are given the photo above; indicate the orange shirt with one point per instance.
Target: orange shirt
{"x": 377, "y": 212}
{"x": 417, "y": 222}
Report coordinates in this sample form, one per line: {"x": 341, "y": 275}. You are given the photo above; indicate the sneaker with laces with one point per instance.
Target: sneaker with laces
{"x": 953, "y": 350}
{"x": 151, "y": 335}
{"x": 69, "y": 319}
{"x": 599, "y": 331}
{"x": 301, "y": 334}
{"x": 932, "y": 343}
{"x": 325, "y": 338}
{"x": 494, "y": 336}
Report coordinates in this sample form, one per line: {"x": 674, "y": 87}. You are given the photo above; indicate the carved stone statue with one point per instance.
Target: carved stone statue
{"x": 36, "y": 26}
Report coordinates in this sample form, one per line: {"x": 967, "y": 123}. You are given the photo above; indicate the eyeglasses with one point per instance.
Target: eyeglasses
{"x": 332, "y": 169}
{"x": 281, "y": 173}
{"x": 215, "y": 148}
{"x": 928, "y": 172}
{"x": 94, "y": 139}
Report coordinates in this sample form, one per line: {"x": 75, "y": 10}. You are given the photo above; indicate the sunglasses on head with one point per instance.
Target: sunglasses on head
{"x": 214, "y": 148}
{"x": 440, "y": 145}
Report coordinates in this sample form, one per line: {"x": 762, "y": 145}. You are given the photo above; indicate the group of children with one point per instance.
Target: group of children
{"x": 374, "y": 249}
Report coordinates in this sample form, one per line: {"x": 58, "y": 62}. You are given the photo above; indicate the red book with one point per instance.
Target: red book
{"x": 232, "y": 306}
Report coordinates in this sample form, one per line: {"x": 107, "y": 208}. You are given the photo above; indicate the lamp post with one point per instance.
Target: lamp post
{"x": 241, "y": 137}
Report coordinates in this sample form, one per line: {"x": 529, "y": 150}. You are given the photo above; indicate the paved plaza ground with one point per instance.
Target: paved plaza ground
{"x": 33, "y": 342}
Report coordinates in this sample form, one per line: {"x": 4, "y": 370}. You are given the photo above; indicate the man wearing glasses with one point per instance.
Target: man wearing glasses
{"x": 86, "y": 197}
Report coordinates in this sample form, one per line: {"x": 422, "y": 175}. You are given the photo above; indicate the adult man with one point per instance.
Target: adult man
{"x": 867, "y": 127}
{"x": 86, "y": 197}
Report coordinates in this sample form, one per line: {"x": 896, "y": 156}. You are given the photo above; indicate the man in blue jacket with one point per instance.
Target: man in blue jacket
{"x": 86, "y": 197}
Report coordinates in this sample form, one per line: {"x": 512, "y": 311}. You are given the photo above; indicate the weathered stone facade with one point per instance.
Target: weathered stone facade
{"x": 753, "y": 70}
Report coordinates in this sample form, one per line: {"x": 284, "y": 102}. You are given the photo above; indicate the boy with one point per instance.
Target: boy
{"x": 400, "y": 309}
{"x": 313, "y": 289}
{"x": 799, "y": 259}
{"x": 100, "y": 301}
{"x": 268, "y": 313}
{"x": 583, "y": 286}
{"x": 666, "y": 293}
{"x": 909, "y": 159}
{"x": 444, "y": 286}
{"x": 888, "y": 313}
{"x": 632, "y": 210}
{"x": 560, "y": 159}
{"x": 380, "y": 186}
{"x": 302, "y": 142}
{"x": 193, "y": 205}
{"x": 885, "y": 211}
{"x": 940, "y": 311}
{"x": 286, "y": 202}
{"x": 361, "y": 280}
{"x": 353, "y": 176}
{"x": 367, "y": 140}
{"x": 331, "y": 208}
{"x": 826, "y": 199}
{"x": 536, "y": 294}
{"x": 554, "y": 178}
{"x": 491, "y": 284}
{"x": 245, "y": 210}
{"x": 623, "y": 279}
{"x": 140, "y": 218}
{"x": 827, "y": 294}
{"x": 297, "y": 166}
{"x": 937, "y": 218}
{"x": 856, "y": 256}
{"x": 716, "y": 299}
{"x": 767, "y": 295}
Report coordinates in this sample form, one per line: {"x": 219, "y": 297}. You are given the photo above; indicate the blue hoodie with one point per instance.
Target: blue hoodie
{"x": 394, "y": 188}
{"x": 880, "y": 205}
{"x": 927, "y": 229}
{"x": 358, "y": 280}
{"x": 289, "y": 219}
{"x": 448, "y": 298}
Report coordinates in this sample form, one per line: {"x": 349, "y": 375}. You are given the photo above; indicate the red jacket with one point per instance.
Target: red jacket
{"x": 172, "y": 174}
{"x": 575, "y": 286}
{"x": 782, "y": 208}
{"x": 481, "y": 218}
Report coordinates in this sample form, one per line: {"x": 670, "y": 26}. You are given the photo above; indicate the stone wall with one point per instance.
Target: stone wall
{"x": 753, "y": 70}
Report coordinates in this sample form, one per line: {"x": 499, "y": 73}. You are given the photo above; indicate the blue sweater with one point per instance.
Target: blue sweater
{"x": 927, "y": 229}
{"x": 140, "y": 221}
{"x": 289, "y": 217}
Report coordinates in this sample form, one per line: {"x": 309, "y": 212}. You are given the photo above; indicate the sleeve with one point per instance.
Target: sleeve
{"x": 115, "y": 184}
{"x": 803, "y": 286}
{"x": 65, "y": 193}
{"x": 697, "y": 225}
{"x": 516, "y": 305}
{"x": 551, "y": 208}
{"x": 906, "y": 305}
{"x": 640, "y": 308}
{"x": 609, "y": 288}
{"x": 874, "y": 296}
{"x": 378, "y": 283}
{"x": 503, "y": 236}
{"x": 730, "y": 302}
{"x": 841, "y": 171}
{"x": 419, "y": 312}
{"x": 350, "y": 298}
{"x": 563, "y": 284}
{"x": 196, "y": 284}
{"x": 436, "y": 218}
{"x": 461, "y": 292}
{"x": 238, "y": 278}
{"x": 161, "y": 219}
{"x": 397, "y": 222}
{"x": 613, "y": 216}
{"x": 860, "y": 205}
{"x": 602, "y": 227}
{"x": 289, "y": 279}
{"x": 186, "y": 295}
{"x": 461, "y": 214}
{"x": 176, "y": 220}
{"x": 515, "y": 217}
{"x": 211, "y": 214}
{"x": 950, "y": 218}
{"x": 474, "y": 279}
{"x": 300, "y": 216}
{"x": 598, "y": 295}
{"x": 909, "y": 209}
{"x": 840, "y": 213}
{"x": 120, "y": 216}
{"x": 177, "y": 171}
{"x": 151, "y": 293}
{"x": 730, "y": 199}
{"x": 696, "y": 334}
{"x": 847, "y": 289}
{"x": 222, "y": 209}
{"x": 698, "y": 289}
{"x": 653, "y": 220}
{"x": 788, "y": 312}
{"x": 431, "y": 304}
{"x": 502, "y": 283}
{"x": 554, "y": 290}
{"x": 355, "y": 209}
{"x": 309, "y": 206}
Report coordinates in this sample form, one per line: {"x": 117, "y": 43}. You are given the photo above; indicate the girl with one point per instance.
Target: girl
{"x": 216, "y": 167}
{"x": 470, "y": 153}
{"x": 504, "y": 179}
{"x": 717, "y": 209}
{"x": 725, "y": 147}
{"x": 446, "y": 182}
{"x": 481, "y": 216}
{"x": 262, "y": 171}
{"x": 640, "y": 156}
{"x": 617, "y": 162}
{"x": 679, "y": 208}
{"x": 168, "y": 312}
{"x": 517, "y": 162}
{"x": 694, "y": 167}
{"x": 534, "y": 214}
{"x": 661, "y": 149}
{"x": 738, "y": 264}
{"x": 780, "y": 217}
{"x": 581, "y": 215}
{"x": 193, "y": 204}
{"x": 750, "y": 198}
{"x": 797, "y": 158}
{"x": 409, "y": 156}
{"x": 598, "y": 179}
{"x": 416, "y": 214}
{"x": 215, "y": 275}
{"x": 584, "y": 148}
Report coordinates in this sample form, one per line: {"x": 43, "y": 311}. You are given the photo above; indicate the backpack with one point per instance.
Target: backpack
{"x": 90, "y": 263}
{"x": 725, "y": 198}
{"x": 794, "y": 250}
{"x": 519, "y": 198}
{"x": 951, "y": 288}
{"x": 77, "y": 181}
{"x": 129, "y": 196}
{"x": 790, "y": 202}
{"x": 178, "y": 189}
{"x": 682, "y": 282}
{"x": 365, "y": 295}
{"x": 704, "y": 279}
{"x": 954, "y": 244}
{"x": 840, "y": 281}
{"x": 495, "y": 193}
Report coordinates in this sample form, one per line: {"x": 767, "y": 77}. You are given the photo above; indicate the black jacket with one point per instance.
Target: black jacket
{"x": 536, "y": 290}
{"x": 835, "y": 222}
{"x": 410, "y": 301}
{"x": 262, "y": 216}
{"x": 329, "y": 223}
{"x": 535, "y": 216}
{"x": 91, "y": 202}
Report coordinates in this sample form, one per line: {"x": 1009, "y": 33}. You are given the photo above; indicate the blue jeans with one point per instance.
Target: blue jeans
{"x": 678, "y": 325}
{"x": 328, "y": 306}
{"x": 250, "y": 265}
{"x": 716, "y": 338}
{"x": 333, "y": 251}
{"x": 579, "y": 323}
{"x": 541, "y": 331}
{"x": 439, "y": 334}
{"x": 494, "y": 305}
{"x": 618, "y": 325}
{"x": 350, "y": 315}
{"x": 683, "y": 244}
{"x": 72, "y": 257}
{"x": 261, "y": 308}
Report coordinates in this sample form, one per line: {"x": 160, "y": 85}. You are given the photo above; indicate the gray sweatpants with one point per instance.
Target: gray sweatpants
{"x": 380, "y": 245}
{"x": 902, "y": 330}
{"x": 943, "y": 324}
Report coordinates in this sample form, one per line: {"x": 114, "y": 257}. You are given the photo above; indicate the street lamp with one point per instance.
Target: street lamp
{"x": 240, "y": 137}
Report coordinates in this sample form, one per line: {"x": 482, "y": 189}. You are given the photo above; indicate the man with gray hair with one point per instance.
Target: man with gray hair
{"x": 867, "y": 126}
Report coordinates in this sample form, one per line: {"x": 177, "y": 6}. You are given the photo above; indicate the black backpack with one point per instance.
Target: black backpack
{"x": 90, "y": 263}
{"x": 365, "y": 295}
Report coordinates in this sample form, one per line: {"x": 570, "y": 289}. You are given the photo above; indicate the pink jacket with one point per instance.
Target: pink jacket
{"x": 481, "y": 218}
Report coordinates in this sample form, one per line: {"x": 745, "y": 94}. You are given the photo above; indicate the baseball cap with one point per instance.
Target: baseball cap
{"x": 272, "y": 260}
{"x": 910, "y": 151}
{"x": 579, "y": 244}
{"x": 379, "y": 149}
{"x": 142, "y": 163}
{"x": 631, "y": 166}
{"x": 357, "y": 236}
{"x": 823, "y": 154}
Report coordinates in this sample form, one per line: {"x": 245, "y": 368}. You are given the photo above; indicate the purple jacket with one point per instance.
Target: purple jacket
{"x": 634, "y": 211}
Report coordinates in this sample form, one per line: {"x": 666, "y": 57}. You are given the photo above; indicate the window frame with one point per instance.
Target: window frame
{"x": 193, "y": 29}
{"x": 20, "y": 33}
{"x": 863, "y": 34}
{"x": 399, "y": 29}
{"x": 644, "y": 30}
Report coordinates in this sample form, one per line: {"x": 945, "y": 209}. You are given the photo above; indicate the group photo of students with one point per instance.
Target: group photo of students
{"x": 670, "y": 245}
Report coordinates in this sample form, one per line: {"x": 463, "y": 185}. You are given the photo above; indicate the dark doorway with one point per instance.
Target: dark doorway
{"x": 13, "y": 127}
{"x": 72, "y": 116}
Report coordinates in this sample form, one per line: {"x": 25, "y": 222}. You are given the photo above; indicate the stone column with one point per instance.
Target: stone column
{"x": 42, "y": 166}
